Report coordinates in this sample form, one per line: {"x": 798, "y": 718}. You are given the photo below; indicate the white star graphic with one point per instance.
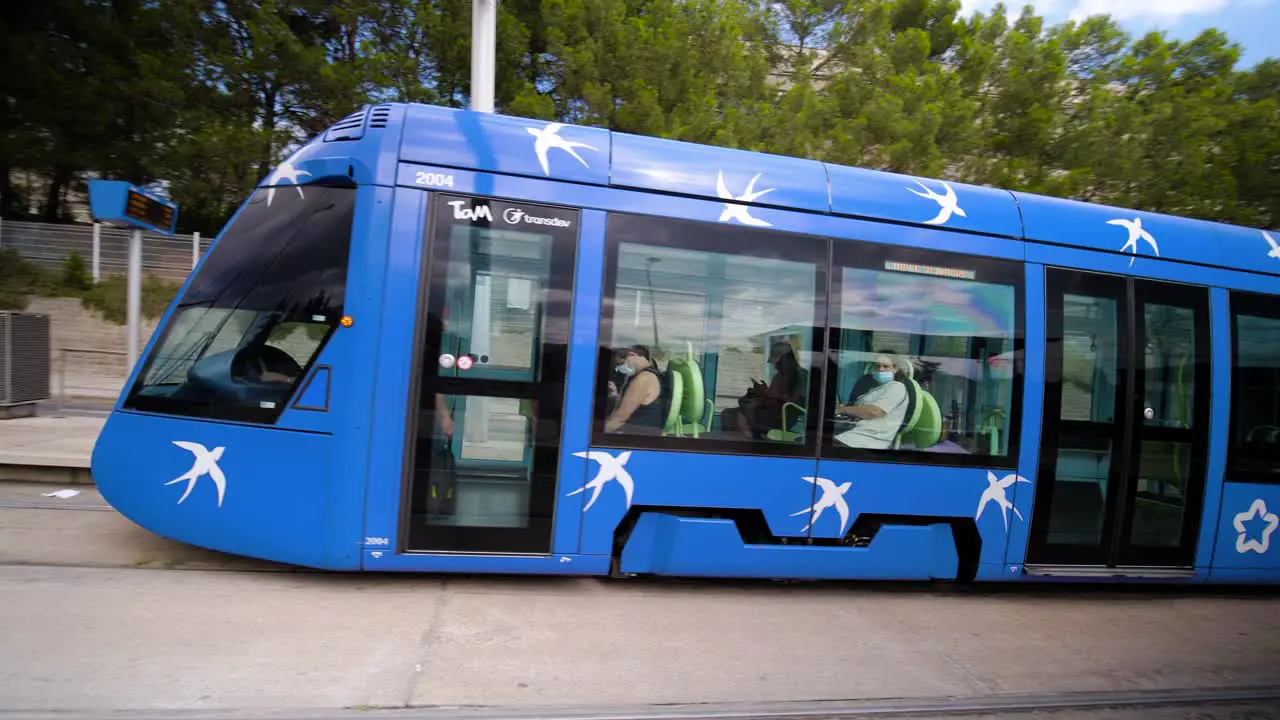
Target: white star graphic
{"x": 949, "y": 203}
{"x": 741, "y": 213}
{"x": 832, "y": 496}
{"x": 1275, "y": 249}
{"x": 206, "y": 461}
{"x": 285, "y": 171}
{"x": 995, "y": 493}
{"x": 1136, "y": 232}
{"x": 611, "y": 468}
{"x": 1257, "y": 509}
{"x": 549, "y": 138}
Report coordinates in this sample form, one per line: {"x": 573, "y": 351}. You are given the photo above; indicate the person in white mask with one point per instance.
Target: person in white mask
{"x": 638, "y": 409}
{"x": 879, "y": 412}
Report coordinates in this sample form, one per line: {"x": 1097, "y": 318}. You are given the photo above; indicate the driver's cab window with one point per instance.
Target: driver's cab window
{"x": 259, "y": 310}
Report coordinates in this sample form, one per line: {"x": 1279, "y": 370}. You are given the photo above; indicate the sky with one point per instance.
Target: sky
{"x": 1254, "y": 25}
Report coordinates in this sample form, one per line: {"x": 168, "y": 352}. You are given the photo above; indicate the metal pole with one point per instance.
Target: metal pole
{"x": 484, "y": 23}
{"x": 97, "y": 252}
{"x": 134, "y": 296}
{"x": 195, "y": 249}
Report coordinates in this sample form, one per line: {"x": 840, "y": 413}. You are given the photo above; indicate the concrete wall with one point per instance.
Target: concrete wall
{"x": 77, "y": 327}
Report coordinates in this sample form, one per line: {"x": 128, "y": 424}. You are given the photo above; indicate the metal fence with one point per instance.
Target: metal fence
{"x": 104, "y": 248}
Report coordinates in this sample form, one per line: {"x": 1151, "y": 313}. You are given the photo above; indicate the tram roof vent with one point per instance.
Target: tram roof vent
{"x": 379, "y": 116}
{"x": 350, "y": 127}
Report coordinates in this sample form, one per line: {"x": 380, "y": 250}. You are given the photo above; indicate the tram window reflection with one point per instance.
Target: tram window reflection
{"x": 714, "y": 330}
{"x": 1255, "y": 388}
{"x": 925, "y": 362}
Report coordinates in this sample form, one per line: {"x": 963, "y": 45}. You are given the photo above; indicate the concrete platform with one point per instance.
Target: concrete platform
{"x": 49, "y": 449}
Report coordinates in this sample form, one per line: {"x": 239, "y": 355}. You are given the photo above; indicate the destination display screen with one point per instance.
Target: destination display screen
{"x": 144, "y": 209}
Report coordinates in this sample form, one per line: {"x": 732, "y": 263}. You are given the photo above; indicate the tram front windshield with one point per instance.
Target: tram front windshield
{"x": 258, "y": 311}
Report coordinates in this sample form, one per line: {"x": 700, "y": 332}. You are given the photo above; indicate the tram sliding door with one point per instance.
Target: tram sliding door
{"x": 490, "y": 392}
{"x": 1122, "y": 466}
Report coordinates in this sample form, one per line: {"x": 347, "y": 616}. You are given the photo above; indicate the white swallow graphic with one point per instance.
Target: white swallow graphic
{"x": 1275, "y": 249}
{"x": 285, "y": 171}
{"x": 740, "y": 212}
{"x": 206, "y": 461}
{"x": 995, "y": 492}
{"x": 1257, "y": 509}
{"x": 949, "y": 203}
{"x": 1136, "y": 231}
{"x": 611, "y": 468}
{"x": 548, "y": 138}
{"x": 832, "y": 496}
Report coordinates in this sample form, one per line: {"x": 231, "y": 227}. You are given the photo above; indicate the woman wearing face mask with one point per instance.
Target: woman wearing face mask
{"x": 878, "y": 412}
{"x": 639, "y": 406}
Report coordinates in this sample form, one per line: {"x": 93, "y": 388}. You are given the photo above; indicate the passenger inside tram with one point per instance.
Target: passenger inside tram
{"x": 639, "y": 409}
{"x": 616, "y": 378}
{"x": 760, "y": 407}
{"x": 879, "y": 411}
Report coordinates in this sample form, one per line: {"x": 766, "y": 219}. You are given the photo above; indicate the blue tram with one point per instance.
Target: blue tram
{"x": 444, "y": 341}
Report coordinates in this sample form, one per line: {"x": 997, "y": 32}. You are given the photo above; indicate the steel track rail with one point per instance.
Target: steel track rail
{"x": 935, "y": 707}
{"x": 46, "y": 505}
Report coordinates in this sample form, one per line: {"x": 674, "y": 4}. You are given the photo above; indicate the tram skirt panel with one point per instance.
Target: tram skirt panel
{"x": 664, "y": 544}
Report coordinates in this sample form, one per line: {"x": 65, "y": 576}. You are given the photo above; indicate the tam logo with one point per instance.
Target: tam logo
{"x": 479, "y": 212}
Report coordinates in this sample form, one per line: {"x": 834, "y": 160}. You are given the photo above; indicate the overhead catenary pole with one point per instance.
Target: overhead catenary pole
{"x": 484, "y": 23}
{"x": 134, "y": 295}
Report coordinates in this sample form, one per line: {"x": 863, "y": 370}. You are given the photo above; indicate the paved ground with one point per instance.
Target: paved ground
{"x": 99, "y": 614}
{"x": 124, "y": 635}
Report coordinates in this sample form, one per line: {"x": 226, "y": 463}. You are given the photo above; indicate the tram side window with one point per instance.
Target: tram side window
{"x": 1255, "y": 388}
{"x": 257, "y": 312}
{"x": 925, "y": 354}
{"x": 726, "y": 317}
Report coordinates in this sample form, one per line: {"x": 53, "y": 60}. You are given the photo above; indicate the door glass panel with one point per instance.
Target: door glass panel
{"x": 1124, "y": 460}
{"x": 1089, "y": 358}
{"x": 1080, "y": 490}
{"x": 498, "y": 433}
{"x": 1160, "y": 497}
{"x": 1170, "y": 366}
{"x": 1081, "y": 454}
{"x": 487, "y": 483}
{"x": 491, "y": 388}
{"x": 495, "y": 293}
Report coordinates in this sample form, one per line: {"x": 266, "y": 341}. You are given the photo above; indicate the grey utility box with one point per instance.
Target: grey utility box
{"x": 25, "y": 362}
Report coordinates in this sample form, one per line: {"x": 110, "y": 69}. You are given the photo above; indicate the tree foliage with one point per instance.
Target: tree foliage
{"x": 207, "y": 95}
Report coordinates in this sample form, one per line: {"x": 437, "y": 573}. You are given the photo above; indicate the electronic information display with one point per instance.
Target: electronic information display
{"x": 118, "y": 202}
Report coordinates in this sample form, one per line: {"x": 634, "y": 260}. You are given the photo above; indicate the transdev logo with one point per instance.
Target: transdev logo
{"x": 515, "y": 216}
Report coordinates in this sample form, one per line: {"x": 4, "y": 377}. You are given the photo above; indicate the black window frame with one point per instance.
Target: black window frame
{"x": 701, "y": 236}
{"x": 873, "y": 256}
{"x": 1244, "y": 465}
{"x": 136, "y": 401}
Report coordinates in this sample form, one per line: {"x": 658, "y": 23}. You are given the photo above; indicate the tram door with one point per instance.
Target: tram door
{"x": 1122, "y": 465}
{"x": 493, "y": 340}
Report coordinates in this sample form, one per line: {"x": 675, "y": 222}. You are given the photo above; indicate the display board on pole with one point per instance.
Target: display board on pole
{"x": 121, "y": 203}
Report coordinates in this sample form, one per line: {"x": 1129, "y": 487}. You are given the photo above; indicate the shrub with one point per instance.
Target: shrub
{"x": 20, "y": 279}
{"x": 75, "y": 276}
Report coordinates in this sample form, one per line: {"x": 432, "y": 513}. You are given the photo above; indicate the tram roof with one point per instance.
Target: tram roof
{"x": 440, "y": 136}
